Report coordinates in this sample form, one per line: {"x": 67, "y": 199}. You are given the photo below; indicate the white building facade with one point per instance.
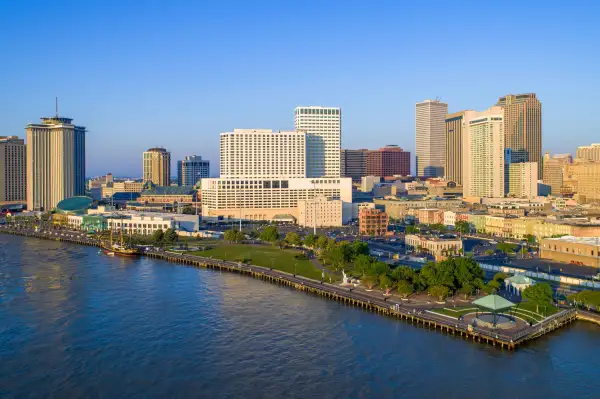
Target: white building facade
{"x": 323, "y": 127}
{"x": 320, "y": 212}
{"x": 523, "y": 180}
{"x": 430, "y": 134}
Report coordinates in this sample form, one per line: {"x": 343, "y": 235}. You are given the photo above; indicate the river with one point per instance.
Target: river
{"x": 76, "y": 323}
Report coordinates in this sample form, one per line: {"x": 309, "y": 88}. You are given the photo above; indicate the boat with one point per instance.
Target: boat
{"x": 119, "y": 249}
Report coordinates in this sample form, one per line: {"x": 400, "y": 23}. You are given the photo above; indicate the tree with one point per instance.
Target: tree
{"x": 462, "y": 227}
{"x": 293, "y": 238}
{"x": 439, "y": 291}
{"x": 403, "y": 273}
{"x": 233, "y": 235}
{"x": 171, "y": 235}
{"x": 539, "y": 294}
{"x": 310, "y": 240}
{"x": 466, "y": 290}
{"x": 489, "y": 252}
{"x": 500, "y": 277}
{"x": 404, "y": 288}
{"x": 359, "y": 248}
{"x": 379, "y": 268}
{"x": 410, "y": 229}
{"x": 369, "y": 281}
{"x": 322, "y": 242}
{"x": 362, "y": 264}
{"x": 530, "y": 238}
{"x": 188, "y": 210}
{"x": 385, "y": 283}
{"x": 336, "y": 257}
{"x": 158, "y": 236}
{"x": 270, "y": 234}
{"x": 493, "y": 286}
{"x": 507, "y": 247}
{"x": 587, "y": 298}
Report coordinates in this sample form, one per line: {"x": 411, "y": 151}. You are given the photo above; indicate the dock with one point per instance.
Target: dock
{"x": 349, "y": 296}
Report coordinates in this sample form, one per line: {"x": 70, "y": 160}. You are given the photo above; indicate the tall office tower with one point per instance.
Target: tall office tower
{"x": 157, "y": 166}
{"x": 353, "y": 163}
{"x": 13, "y": 169}
{"x": 553, "y": 171}
{"x": 249, "y": 153}
{"x": 430, "y": 121}
{"x": 582, "y": 181}
{"x": 588, "y": 152}
{"x": 388, "y": 161}
{"x": 523, "y": 180}
{"x": 191, "y": 169}
{"x": 55, "y": 162}
{"x": 523, "y": 127}
{"x": 455, "y": 131}
{"x": 323, "y": 127}
{"x": 483, "y": 154}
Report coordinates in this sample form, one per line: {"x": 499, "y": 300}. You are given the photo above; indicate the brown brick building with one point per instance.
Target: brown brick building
{"x": 372, "y": 222}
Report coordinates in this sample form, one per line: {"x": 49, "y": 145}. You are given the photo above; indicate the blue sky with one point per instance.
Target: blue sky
{"x": 139, "y": 74}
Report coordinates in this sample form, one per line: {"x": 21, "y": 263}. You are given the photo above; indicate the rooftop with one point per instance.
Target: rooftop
{"x": 493, "y": 302}
{"x": 577, "y": 240}
{"x": 170, "y": 190}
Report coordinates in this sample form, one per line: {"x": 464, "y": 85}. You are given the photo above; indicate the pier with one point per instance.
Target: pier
{"x": 347, "y": 295}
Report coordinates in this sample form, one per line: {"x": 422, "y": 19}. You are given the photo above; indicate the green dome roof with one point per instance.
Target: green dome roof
{"x": 74, "y": 204}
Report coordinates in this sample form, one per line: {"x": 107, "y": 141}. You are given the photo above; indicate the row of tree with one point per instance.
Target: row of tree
{"x": 168, "y": 236}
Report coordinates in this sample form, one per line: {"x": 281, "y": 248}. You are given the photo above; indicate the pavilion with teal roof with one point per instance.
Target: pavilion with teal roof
{"x": 517, "y": 283}
{"x": 493, "y": 304}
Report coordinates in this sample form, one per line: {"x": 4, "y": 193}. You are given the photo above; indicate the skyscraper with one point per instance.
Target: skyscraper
{"x": 523, "y": 127}
{"x": 13, "y": 169}
{"x": 455, "y": 131}
{"x": 55, "y": 162}
{"x": 588, "y": 152}
{"x": 553, "y": 171}
{"x": 388, "y": 161}
{"x": 430, "y": 123}
{"x": 354, "y": 163}
{"x": 157, "y": 166}
{"x": 323, "y": 127}
{"x": 191, "y": 169}
{"x": 483, "y": 154}
{"x": 523, "y": 180}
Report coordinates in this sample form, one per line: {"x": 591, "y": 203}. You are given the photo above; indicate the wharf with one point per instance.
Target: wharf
{"x": 347, "y": 295}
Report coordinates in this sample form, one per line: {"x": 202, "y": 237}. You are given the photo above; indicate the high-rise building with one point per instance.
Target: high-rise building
{"x": 354, "y": 163}
{"x": 55, "y": 162}
{"x": 191, "y": 169}
{"x": 455, "y": 131}
{"x": 582, "y": 181}
{"x": 588, "y": 152}
{"x": 523, "y": 127}
{"x": 430, "y": 121}
{"x": 523, "y": 180}
{"x": 157, "y": 166}
{"x": 483, "y": 154}
{"x": 13, "y": 169}
{"x": 553, "y": 171}
{"x": 250, "y": 153}
{"x": 388, "y": 161}
{"x": 323, "y": 127}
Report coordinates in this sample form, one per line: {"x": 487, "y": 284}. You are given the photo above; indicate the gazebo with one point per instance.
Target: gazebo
{"x": 517, "y": 283}
{"x": 493, "y": 304}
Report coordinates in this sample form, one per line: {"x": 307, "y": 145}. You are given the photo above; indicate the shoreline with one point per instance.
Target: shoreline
{"x": 349, "y": 296}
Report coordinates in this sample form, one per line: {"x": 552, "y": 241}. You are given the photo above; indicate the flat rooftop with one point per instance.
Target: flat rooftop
{"x": 578, "y": 240}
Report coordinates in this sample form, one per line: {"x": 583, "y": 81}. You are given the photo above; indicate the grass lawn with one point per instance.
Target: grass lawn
{"x": 528, "y": 306}
{"x": 264, "y": 255}
{"x": 455, "y": 312}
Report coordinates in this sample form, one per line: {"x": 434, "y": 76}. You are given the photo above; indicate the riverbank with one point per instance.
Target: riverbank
{"x": 346, "y": 295}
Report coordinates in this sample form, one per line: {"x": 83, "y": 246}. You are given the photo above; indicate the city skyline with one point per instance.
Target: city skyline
{"x": 145, "y": 98}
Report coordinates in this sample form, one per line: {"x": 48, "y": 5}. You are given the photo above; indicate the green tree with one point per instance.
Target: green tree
{"x": 410, "y": 229}
{"x": 386, "y": 283}
{"x": 379, "y": 268}
{"x": 439, "y": 291}
{"x": 369, "y": 281}
{"x": 539, "y": 294}
{"x": 405, "y": 288}
{"x": 335, "y": 256}
{"x": 586, "y": 298}
{"x": 530, "y": 238}
{"x": 466, "y": 290}
{"x": 188, "y": 210}
{"x": 292, "y": 238}
{"x": 489, "y": 252}
{"x": 310, "y": 240}
{"x": 493, "y": 286}
{"x": 270, "y": 234}
{"x": 462, "y": 227}
{"x": 322, "y": 242}
{"x": 171, "y": 235}
{"x": 233, "y": 235}
{"x": 500, "y": 277}
{"x": 507, "y": 247}
{"x": 158, "y": 236}
{"x": 362, "y": 264}
{"x": 403, "y": 273}
{"x": 359, "y": 248}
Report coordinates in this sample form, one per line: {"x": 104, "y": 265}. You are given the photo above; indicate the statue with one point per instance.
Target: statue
{"x": 345, "y": 279}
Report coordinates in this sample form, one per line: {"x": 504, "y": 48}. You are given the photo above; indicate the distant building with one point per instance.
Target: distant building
{"x": 553, "y": 171}
{"x": 157, "y": 166}
{"x": 456, "y": 126}
{"x": 320, "y": 212}
{"x": 589, "y": 152}
{"x": 191, "y": 169}
{"x": 523, "y": 127}
{"x": 430, "y": 215}
{"x": 353, "y": 163}
{"x": 582, "y": 181}
{"x": 523, "y": 180}
{"x": 388, "y": 161}
{"x": 578, "y": 250}
{"x": 430, "y": 117}
{"x": 110, "y": 189}
{"x": 323, "y": 127}
{"x": 368, "y": 182}
{"x": 13, "y": 169}
{"x": 440, "y": 248}
{"x": 55, "y": 162}
{"x": 98, "y": 182}
{"x": 372, "y": 222}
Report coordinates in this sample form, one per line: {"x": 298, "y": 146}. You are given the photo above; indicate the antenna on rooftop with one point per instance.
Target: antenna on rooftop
{"x": 56, "y": 102}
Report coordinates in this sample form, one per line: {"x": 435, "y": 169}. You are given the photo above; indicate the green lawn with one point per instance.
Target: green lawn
{"x": 264, "y": 255}
{"x": 528, "y": 306}
{"x": 455, "y": 312}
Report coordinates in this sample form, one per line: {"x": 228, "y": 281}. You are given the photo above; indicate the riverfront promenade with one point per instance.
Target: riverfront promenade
{"x": 350, "y": 296}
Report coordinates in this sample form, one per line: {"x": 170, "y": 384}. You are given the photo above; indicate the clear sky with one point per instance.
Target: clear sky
{"x": 140, "y": 74}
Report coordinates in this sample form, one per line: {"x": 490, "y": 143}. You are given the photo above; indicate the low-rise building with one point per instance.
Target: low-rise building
{"x": 430, "y": 216}
{"x": 506, "y": 209}
{"x": 399, "y": 209}
{"x": 569, "y": 249}
{"x": 440, "y": 248}
{"x": 373, "y": 222}
{"x": 477, "y": 221}
{"x": 320, "y": 212}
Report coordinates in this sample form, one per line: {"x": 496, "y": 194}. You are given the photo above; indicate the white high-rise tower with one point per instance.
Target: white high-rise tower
{"x": 430, "y": 123}
{"x": 323, "y": 127}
